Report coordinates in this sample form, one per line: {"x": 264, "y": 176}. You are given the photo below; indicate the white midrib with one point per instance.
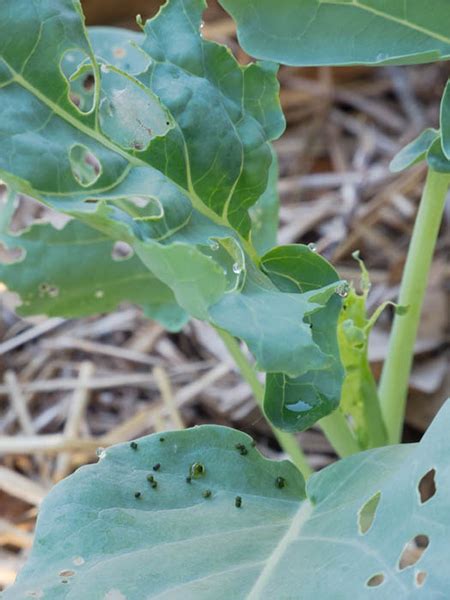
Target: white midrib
{"x": 292, "y": 534}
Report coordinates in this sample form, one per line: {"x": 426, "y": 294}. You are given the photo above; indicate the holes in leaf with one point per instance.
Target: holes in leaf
{"x": 427, "y": 486}
{"x": 86, "y": 167}
{"x": 143, "y": 208}
{"x": 11, "y": 255}
{"x": 375, "y": 580}
{"x": 79, "y": 73}
{"x": 122, "y": 251}
{"x": 419, "y": 578}
{"x": 130, "y": 114}
{"x": 367, "y": 512}
{"x": 67, "y": 573}
{"x": 413, "y": 551}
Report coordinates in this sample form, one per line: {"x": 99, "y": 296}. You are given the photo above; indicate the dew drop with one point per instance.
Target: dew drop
{"x": 342, "y": 289}
{"x": 312, "y": 246}
{"x": 104, "y": 68}
{"x": 213, "y": 245}
{"x": 237, "y": 268}
{"x": 101, "y": 453}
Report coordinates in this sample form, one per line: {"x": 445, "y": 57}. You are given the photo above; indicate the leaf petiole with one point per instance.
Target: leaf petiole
{"x": 286, "y": 440}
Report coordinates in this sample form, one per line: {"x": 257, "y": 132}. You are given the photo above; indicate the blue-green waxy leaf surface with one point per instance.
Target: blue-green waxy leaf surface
{"x": 415, "y": 151}
{"x": 72, "y": 272}
{"x": 296, "y": 403}
{"x": 212, "y": 522}
{"x": 445, "y": 129}
{"x": 343, "y": 32}
{"x": 160, "y": 140}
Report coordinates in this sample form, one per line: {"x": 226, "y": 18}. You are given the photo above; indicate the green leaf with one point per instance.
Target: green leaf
{"x": 359, "y": 394}
{"x": 445, "y": 121}
{"x": 296, "y": 403}
{"x": 345, "y": 538}
{"x": 72, "y": 273}
{"x": 264, "y": 213}
{"x": 415, "y": 151}
{"x": 436, "y": 158}
{"x": 119, "y": 47}
{"x": 167, "y": 155}
{"x": 343, "y": 32}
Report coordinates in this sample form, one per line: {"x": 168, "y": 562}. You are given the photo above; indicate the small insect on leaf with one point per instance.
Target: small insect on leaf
{"x": 156, "y": 467}
{"x": 207, "y": 494}
{"x": 242, "y": 449}
{"x": 133, "y": 445}
{"x": 188, "y": 479}
{"x": 137, "y": 494}
{"x": 161, "y": 439}
{"x": 150, "y": 478}
{"x": 280, "y": 482}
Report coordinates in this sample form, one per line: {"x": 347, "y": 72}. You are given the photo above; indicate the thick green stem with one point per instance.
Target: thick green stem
{"x": 338, "y": 433}
{"x": 393, "y": 388}
{"x": 287, "y": 441}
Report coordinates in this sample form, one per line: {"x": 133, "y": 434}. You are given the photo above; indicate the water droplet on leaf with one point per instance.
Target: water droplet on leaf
{"x": 342, "y": 289}
{"x": 312, "y": 246}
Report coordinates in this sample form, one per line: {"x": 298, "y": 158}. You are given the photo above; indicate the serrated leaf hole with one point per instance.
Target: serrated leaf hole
{"x": 367, "y": 512}
{"x": 427, "y": 486}
{"x": 375, "y": 580}
{"x": 86, "y": 167}
{"x": 413, "y": 551}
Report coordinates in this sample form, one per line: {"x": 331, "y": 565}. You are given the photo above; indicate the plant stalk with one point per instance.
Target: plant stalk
{"x": 338, "y": 433}
{"x": 286, "y": 440}
{"x": 393, "y": 389}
